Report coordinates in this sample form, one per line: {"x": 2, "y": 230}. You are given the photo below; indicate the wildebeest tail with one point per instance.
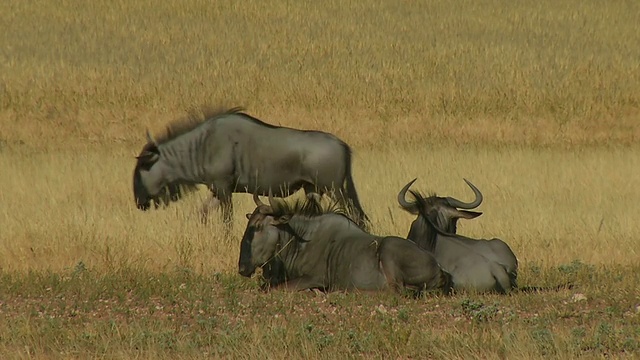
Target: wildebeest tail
{"x": 352, "y": 194}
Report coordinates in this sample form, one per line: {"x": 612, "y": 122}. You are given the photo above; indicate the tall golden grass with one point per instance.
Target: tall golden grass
{"x": 552, "y": 206}
{"x": 537, "y": 103}
{"x": 373, "y": 71}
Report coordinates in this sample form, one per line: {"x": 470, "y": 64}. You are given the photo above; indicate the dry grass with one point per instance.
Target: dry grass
{"x": 550, "y": 205}
{"x": 489, "y": 71}
{"x": 87, "y": 273}
{"x": 536, "y": 103}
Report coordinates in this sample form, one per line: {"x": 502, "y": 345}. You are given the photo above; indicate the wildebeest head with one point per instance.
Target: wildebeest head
{"x": 148, "y": 182}
{"x": 261, "y": 237}
{"x": 441, "y": 212}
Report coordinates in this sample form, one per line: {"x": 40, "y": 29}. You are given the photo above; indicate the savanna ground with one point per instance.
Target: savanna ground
{"x": 536, "y": 102}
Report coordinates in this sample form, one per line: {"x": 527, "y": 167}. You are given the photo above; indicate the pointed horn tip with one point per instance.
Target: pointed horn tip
{"x": 150, "y": 137}
{"x": 256, "y": 199}
{"x": 402, "y": 197}
{"x": 408, "y": 185}
{"x": 469, "y": 182}
{"x": 473, "y": 187}
{"x": 270, "y": 198}
{"x": 463, "y": 205}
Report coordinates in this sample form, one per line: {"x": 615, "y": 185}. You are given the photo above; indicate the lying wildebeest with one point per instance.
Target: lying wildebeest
{"x": 474, "y": 264}
{"x": 306, "y": 247}
{"x": 231, "y": 151}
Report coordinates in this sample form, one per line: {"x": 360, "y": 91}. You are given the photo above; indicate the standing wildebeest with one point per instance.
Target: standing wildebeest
{"x": 231, "y": 151}
{"x": 477, "y": 265}
{"x": 304, "y": 247}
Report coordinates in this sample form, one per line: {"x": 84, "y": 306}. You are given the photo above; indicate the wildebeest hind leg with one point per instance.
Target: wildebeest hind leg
{"x": 503, "y": 282}
{"x": 406, "y": 268}
{"x": 391, "y": 273}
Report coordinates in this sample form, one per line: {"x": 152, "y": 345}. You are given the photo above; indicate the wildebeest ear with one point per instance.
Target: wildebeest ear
{"x": 149, "y": 155}
{"x": 249, "y": 216}
{"x": 465, "y": 214}
{"x": 150, "y": 138}
{"x": 281, "y": 220}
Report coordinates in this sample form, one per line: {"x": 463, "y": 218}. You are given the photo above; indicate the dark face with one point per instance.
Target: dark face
{"x": 143, "y": 183}
{"x": 440, "y": 213}
{"x": 259, "y": 241}
{"x": 140, "y": 193}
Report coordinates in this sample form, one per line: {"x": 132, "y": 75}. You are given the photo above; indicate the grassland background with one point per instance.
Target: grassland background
{"x": 536, "y": 102}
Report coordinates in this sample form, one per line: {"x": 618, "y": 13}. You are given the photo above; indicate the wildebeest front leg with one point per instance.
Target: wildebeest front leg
{"x": 273, "y": 274}
{"x": 227, "y": 208}
{"x": 219, "y": 199}
{"x": 301, "y": 283}
{"x": 211, "y": 204}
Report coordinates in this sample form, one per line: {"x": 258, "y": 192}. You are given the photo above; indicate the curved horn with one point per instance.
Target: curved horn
{"x": 402, "y": 199}
{"x": 150, "y": 138}
{"x": 257, "y": 200}
{"x": 271, "y": 199}
{"x": 462, "y": 205}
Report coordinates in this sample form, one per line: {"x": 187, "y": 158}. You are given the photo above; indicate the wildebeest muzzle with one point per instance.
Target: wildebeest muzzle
{"x": 144, "y": 206}
{"x": 246, "y": 270}
{"x": 245, "y": 265}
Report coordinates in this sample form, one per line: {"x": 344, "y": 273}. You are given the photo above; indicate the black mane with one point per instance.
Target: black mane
{"x": 197, "y": 116}
{"x": 174, "y": 192}
{"x": 422, "y": 200}
{"x": 194, "y": 119}
{"x": 308, "y": 207}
